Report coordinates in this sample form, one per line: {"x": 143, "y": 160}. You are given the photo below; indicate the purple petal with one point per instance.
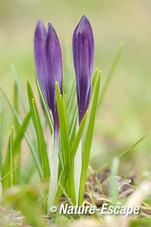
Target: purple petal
{"x": 83, "y": 56}
{"x": 54, "y": 70}
{"x": 40, "y": 55}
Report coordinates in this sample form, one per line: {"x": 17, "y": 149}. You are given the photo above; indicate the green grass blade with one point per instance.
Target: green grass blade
{"x": 64, "y": 131}
{"x": 74, "y": 113}
{"x": 77, "y": 139}
{"x": 9, "y": 162}
{"x": 16, "y": 124}
{"x": 113, "y": 182}
{"x": 22, "y": 96}
{"x": 73, "y": 124}
{"x": 10, "y": 172}
{"x": 133, "y": 146}
{"x": 12, "y": 156}
{"x": 34, "y": 154}
{"x": 45, "y": 105}
{"x": 20, "y": 89}
{"x": 41, "y": 142}
{"x": 62, "y": 181}
{"x": 11, "y": 106}
{"x": 88, "y": 141}
{"x": 22, "y": 130}
{"x": 94, "y": 81}
{"x": 109, "y": 76}
{"x": 42, "y": 145}
{"x": 39, "y": 131}
{"x": 71, "y": 97}
{"x": 29, "y": 142}
{"x": 124, "y": 153}
{"x": 65, "y": 141}
{"x": 16, "y": 127}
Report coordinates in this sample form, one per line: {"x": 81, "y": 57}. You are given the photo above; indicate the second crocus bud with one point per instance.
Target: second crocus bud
{"x": 83, "y": 56}
{"x": 54, "y": 71}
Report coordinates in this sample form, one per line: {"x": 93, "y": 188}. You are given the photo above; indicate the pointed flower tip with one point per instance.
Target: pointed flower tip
{"x": 40, "y": 25}
{"x": 84, "y": 27}
{"x": 84, "y": 20}
{"x": 84, "y": 17}
{"x": 52, "y": 33}
{"x": 50, "y": 27}
{"x": 39, "y": 21}
{"x": 40, "y": 33}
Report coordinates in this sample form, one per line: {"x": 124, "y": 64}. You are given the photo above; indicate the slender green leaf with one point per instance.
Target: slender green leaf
{"x": 22, "y": 97}
{"x": 65, "y": 141}
{"x": 16, "y": 124}
{"x": 64, "y": 131}
{"x": 10, "y": 172}
{"x": 12, "y": 156}
{"x": 11, "y": 106}
{"x": 78, "y": 136}
{"x": 45, "y": 105}
{"x": 124, "y": 153}
{"x": 29, "y": 142}
{"x": 16, "y": 127}
{"x": 9, "y": 162}
{"x": 109, "y": 76}
{"x": 73, "y": 124}
{"x": 88, "y": 141}
{"x": 71, "y": 97}
{"x": 133, "y": 146}
{"x": 20, "y": 89}
{"x": 62, "y": 180}
{"x": 41, "y": 142}
{"x": 113, "y": 180}
{"x": 22, "y": 130}
{"x": 94, "y": 81}
{"x": 74, "y": 113}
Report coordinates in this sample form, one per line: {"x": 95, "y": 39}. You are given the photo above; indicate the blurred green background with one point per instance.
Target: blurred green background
{"x": 125, "y": 114}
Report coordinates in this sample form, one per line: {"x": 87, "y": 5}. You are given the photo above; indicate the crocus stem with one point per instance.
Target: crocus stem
{"x": 54, "y": 162}
{"x": 77, "y": 170}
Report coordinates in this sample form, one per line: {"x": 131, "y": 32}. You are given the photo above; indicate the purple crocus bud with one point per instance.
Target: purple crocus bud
{"x": 83, "y": 56}
{"x": 40, "y": 56}
{"x": 48, "y": 62}
{"x": 54, "y": 71}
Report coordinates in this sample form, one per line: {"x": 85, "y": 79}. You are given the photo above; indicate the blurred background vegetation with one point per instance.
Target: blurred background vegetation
{"x": 125, "y": 114}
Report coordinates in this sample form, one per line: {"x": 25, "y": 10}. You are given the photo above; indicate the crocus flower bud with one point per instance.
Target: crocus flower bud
{"x": 48, "y": 62}
{"x": 40, "y": 56}
{"x": 83, "y": 56}
{"x": 54, "y": 70}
